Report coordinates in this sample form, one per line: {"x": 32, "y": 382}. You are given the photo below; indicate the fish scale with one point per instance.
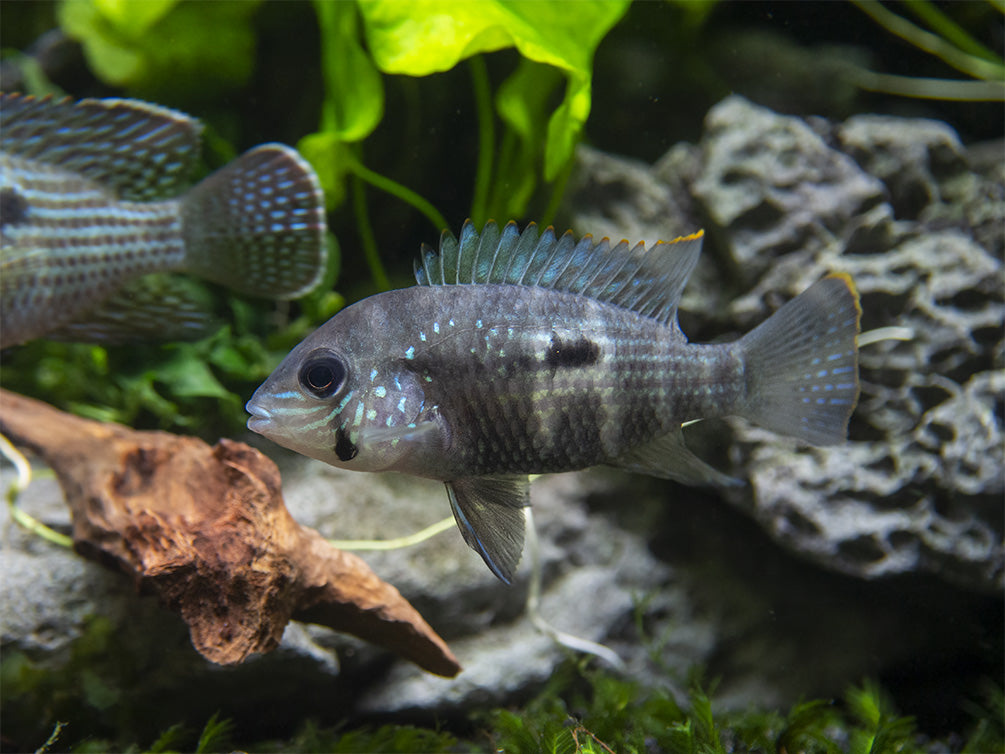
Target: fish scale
{"x": 523, "y": 353}
{"x": 541, "y": 417}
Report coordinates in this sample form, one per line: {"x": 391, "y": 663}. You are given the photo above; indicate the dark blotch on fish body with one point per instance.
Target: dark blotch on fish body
{"x": 571, "y": 353}
{"x": 13, "y": 207}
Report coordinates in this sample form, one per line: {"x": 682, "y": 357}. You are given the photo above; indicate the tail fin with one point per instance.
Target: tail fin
{"x": 258, "y": 225}
{"x": 802, "y": 364}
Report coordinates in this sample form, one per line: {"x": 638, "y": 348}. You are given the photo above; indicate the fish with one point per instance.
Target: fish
{"x": 97, "y": 223}
{"x": 523, "y": 353}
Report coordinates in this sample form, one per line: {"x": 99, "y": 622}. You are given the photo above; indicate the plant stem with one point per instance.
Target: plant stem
{"x": 396, "y": 189}
{"x": 948, "y": 29}
{"x": 377, "y": 271}
{"x": 496, "y": 202}
{"x": 932, "y": 43}
{"x": 924, "y": 88}
{"x": 486, "y": 139}
{"x": 558, "y": 191}
{"x": 23, "y": 468}
{"x": 398, "y": 542}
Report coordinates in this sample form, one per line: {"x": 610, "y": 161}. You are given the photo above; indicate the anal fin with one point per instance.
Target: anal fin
{"x": 159, "y": 307}
{"x": 667, "y": 457}
{"x": 489, "y": 513}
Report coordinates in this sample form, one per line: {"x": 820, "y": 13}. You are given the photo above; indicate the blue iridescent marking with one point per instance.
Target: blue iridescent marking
{"x": 380, "y": 391}
{"x": 345, "y": 401}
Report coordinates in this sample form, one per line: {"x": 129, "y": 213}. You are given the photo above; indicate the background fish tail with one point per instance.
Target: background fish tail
{"x": 257, "y": 225}
{"x": 802, "y": 364}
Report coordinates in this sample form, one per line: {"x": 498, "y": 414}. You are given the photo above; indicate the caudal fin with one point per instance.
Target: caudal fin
{"x": 802, "y": 364}
{"x": 258, "y": 225}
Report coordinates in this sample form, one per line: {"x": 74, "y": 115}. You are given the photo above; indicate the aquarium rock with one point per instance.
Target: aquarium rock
{"x": 916, "y": 219}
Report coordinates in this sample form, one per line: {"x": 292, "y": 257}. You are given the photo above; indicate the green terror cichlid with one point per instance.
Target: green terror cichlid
{"x": 519, "y": 353}
{"x": 92, "y": 203}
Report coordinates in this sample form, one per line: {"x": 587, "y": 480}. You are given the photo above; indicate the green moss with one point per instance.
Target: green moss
{"x": 586, "y": 711}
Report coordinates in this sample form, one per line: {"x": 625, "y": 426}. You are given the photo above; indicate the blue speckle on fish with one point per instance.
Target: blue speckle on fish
{"x": 557, "y": 354}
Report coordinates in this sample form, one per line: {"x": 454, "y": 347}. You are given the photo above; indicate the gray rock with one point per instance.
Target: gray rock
{"x": 784, "y": 202}
{"x": 770, "y": 186}
{"x": 911, "y": 156}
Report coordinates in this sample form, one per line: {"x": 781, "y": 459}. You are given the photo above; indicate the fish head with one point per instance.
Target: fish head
{"x": 345, "y": 397}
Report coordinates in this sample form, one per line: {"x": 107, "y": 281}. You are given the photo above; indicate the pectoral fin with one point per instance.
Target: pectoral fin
{"x": 669, "y": 458}
{"x": 489, "y": 513}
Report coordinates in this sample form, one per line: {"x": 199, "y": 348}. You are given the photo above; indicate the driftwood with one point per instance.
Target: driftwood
{"x": 205, "y": 528}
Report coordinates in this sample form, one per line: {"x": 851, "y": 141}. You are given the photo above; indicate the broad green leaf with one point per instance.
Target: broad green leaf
{"x": 566, "y": 124}
{"x": 189, "y": 377}
{"x": 112, "y": 57}
{"x": 355, "y": 93}
{"x": 522, "y": 102}
{"x": 427, "y": 36}
{"x": 133, "y": 18}
{"x": 161, "y": 54}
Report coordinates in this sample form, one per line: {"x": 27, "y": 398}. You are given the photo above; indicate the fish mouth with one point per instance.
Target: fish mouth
{"x": 260, "y": 418}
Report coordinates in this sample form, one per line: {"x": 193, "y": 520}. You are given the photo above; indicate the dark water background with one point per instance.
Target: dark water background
{"x": 654, "y": 81}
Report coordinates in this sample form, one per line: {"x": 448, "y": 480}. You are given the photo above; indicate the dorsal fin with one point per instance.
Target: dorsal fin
{"x": 648, "y": 281}
{"x": 138, "y": 150}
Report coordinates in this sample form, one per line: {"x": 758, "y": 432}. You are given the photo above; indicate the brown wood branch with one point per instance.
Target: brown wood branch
{"x": 206, "y": 529}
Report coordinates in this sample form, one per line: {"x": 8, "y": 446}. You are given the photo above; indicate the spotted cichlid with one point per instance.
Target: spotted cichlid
{"x": 85, "y": 220}
{"x": 522, "y": 354}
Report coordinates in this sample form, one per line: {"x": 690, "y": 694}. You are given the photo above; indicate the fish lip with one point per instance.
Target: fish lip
{"x": 260, "y": 416}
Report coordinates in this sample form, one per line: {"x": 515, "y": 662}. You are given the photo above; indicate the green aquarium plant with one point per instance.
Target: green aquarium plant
{"x": 944, "y": 39}
{"x": 156, "y": 48}
{"x": 431, "y": 36}
{"x": 582, "y": 711}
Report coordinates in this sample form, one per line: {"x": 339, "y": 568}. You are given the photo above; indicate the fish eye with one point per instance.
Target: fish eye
{"x": 322, "y": 374}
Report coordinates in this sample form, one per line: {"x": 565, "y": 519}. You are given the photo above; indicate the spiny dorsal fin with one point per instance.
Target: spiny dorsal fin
{"x": 138, "y": 150}
{"x": 648, "y": 281}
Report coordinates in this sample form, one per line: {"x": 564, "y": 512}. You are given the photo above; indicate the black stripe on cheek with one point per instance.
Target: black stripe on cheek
{"x": 344, "y": 447}
{"x": 571, "y": 353}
